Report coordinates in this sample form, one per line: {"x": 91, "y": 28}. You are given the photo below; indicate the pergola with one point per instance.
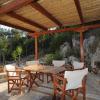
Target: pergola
{"x": 38, "y": 16}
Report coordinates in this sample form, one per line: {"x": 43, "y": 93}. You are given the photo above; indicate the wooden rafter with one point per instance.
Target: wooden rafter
{"x": 21, "y": 18}
{"x": 43, "y": 11}
{"x": 15, "y": 26}
{"x": 79, "y": 10}
{"x": 77, "y": 29}
{"x": 16, "y": 4}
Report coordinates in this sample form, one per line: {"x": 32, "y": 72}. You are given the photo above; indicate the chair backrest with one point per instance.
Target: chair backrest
{"x": 78, "y": 65}
{"x": 58, "y": 63}
{"x": 32, "y": 62}
{"x": 74, "y": 78}
{"x": 10, "y": 67}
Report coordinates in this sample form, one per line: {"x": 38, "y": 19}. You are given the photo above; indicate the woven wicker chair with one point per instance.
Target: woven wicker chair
{"x": 72, "y": 83}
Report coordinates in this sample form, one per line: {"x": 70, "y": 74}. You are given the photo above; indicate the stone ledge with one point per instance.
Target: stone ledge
{"x": 3, "y": 77}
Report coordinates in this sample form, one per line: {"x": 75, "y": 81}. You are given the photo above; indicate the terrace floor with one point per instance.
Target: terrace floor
{"x": 45, "y": 91}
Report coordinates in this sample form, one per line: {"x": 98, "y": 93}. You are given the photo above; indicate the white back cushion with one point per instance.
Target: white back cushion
{"x": 11, "y": 67}
{"x": 74, "y": 78}
{"x": 58, "y": 63}
{"x": 32, "y": 62}
{"x": 78, "y": 65}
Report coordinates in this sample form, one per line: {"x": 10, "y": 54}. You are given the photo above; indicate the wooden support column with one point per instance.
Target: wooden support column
{"x": 81, "y": 47}
{"x": 36, "y": 46}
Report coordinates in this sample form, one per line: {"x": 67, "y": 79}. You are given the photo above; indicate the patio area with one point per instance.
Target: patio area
{"x": 46, "y": 18}
{"x": 45, "y": 91}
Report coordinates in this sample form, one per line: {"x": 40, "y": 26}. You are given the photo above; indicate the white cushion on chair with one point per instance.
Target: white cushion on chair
{"x": 74, "y": 78}
{"x": 11, "y": 67}
{"x": 32, "y": 62}
{"x": 58, "y": 63}
{"x": 78, "y": 65}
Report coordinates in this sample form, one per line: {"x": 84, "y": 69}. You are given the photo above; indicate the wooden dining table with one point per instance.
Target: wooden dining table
{"x": 34, "y": 70}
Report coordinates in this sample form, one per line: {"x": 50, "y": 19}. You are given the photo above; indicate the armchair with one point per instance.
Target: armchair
{"x": 78, "y": 65}
{"x": 15, "y": 78}
{"x": 55, "y": 63}
{"x": 72, "y": 83}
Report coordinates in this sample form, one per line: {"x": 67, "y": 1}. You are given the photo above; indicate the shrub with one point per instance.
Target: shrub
{"x": 57, "y": 56}
{"x": 50, "y": 57}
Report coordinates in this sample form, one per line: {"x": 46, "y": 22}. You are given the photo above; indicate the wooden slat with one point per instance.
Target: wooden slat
{"x": 16, "y": 26}
{"x": 64, "y": 10}
{"x": 21, "y": 18}
{"x": 16, "y": 4}
{"x": 42, "y": 10}
{"x": 78, "y": 7}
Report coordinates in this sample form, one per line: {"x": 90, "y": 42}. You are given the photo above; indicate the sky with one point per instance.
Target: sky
{"x": 5, "y": 27}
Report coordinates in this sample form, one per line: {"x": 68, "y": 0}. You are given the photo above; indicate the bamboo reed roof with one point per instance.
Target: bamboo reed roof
{"x": 40, "y": 15}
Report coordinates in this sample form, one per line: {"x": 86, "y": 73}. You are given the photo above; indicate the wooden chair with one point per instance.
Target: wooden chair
{"x": 58, "y": 63}
{"x": 72, "y": 83}
{"x": 40, "y": 75}
{"x": 55, "y": 63}
{"x": 78, "y": 65}
{"x": 15, "y": 78}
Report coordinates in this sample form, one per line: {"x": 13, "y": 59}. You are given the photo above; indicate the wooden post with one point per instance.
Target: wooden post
{"x": 81, "y": 47}
{"x": 36, "y": 47}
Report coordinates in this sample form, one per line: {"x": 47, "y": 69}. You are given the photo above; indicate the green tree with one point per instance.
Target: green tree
{"x": 16, "y": 54}
{"x": 3, "y": 48}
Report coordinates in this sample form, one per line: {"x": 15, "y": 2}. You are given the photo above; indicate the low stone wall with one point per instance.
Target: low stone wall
{"x": 3, "y": 77}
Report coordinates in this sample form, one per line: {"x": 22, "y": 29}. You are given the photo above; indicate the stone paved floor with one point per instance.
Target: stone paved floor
{"x": 44, "y": 93}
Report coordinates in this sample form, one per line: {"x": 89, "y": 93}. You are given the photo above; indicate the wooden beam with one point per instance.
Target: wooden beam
{"x": 14, "y": 5}
{"x": 93, "y": 26}
{"x": 77, "y": 29}
{"x": 43, "y": 11}
{"x": 21, "y": 18}
{"x": 79, "y": 10}
{"x": 16, "y": 26}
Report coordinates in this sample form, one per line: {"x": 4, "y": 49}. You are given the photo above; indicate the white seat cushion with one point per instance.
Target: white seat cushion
{"x": 78, "y": 65}
{"x": 74, "y": 78}
{"x": 58, "y": 63}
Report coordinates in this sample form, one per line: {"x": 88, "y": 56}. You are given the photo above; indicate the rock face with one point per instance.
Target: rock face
{"x": 72, "y": 58}
{"x": 76, "y": 43}
{"x": 64, "y": 49}
{"x": 88, "y": 42}
{"x": 92, "y": 47}
{"x": 96, "y": 56}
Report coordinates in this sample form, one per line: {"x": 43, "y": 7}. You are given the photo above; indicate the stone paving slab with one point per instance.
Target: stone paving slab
{"x": 45, "y": 91}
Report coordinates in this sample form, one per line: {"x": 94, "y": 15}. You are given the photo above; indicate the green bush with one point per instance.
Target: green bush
{"x": 50, "y": 57}
{"x": 57, "y": 56}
